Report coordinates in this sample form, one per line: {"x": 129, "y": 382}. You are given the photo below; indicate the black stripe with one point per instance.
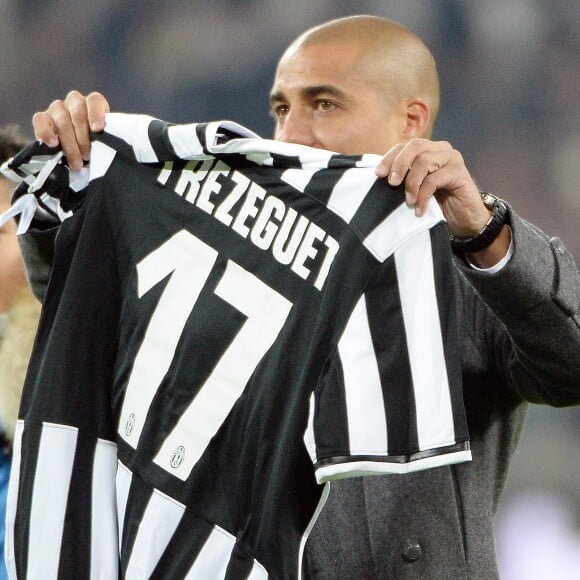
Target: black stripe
{"x": 445, "y": 292}
{"x": 29, "y": 459}
{"x": 138, "y": 498}
{"x": 184, "y": 547}
{"x": 76, "y": 538}
{"x": 286, "y": 161}
{"x": 390, "y": 343}
{"x": 200, "y": 131}
{"x": 240, "y": 565}
{"x": 224, "y": 135}
{"x": 343, "y": 161}
{"x": 160, "y": 142}
{"x": 123, "y": 148}
{"x": 331, "y": 422}
{"x": 35, "y": 149}
{"x": 322, "y": 184}
{"x": 377, "y": 205}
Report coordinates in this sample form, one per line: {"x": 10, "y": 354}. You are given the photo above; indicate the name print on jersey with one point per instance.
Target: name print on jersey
{"x": 198, "y": 394}
{"x": 247, "y": 208}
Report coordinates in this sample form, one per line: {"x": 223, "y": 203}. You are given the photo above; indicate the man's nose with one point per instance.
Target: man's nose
{"x": 296, "y": 127}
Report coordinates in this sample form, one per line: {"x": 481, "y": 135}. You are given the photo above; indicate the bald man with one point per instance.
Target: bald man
{"x": 368, "y": 85}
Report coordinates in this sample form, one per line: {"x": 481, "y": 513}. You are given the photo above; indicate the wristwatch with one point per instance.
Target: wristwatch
{"x": 490, "y": 230}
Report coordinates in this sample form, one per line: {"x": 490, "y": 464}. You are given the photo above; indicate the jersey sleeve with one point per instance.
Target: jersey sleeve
{"x": 390, "y": 400}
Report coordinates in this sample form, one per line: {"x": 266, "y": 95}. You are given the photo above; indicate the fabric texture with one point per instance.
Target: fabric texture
{"x": 323, "y": 314}
{"x": 519, "y": 343}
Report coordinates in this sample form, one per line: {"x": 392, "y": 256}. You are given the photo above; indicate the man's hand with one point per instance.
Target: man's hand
{"x": 434, "y": 168}
{"x": 69, "y": 122}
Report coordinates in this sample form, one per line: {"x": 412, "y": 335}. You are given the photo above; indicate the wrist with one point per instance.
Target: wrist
{"x": 490, "y": 231}
{"x": 497, "y": 251}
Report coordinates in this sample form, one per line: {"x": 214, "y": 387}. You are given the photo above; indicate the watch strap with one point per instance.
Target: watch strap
{"x": 490, "y": 230}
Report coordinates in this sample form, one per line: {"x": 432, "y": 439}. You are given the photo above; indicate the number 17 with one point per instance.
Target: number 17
{"x": 189, "y": 261}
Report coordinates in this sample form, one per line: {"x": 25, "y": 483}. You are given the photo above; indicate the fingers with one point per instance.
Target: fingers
{"x": 427, "y": 173}
{"x": 44, "y": 129}
{"x": 424, "y": 166}
{"x": 419, "y": 190}
{"x": 97, "y": 108}
{"x": 385, "y": 167}
{"x": 69, "y": 122}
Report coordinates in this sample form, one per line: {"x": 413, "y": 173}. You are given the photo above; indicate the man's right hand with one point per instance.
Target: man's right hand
{"x": 69, "y": 123}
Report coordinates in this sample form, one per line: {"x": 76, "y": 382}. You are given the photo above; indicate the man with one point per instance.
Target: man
{"x": 367, "y": 85}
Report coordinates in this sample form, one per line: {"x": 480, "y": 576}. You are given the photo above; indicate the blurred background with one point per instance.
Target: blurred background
{"x": 510, "y": 76}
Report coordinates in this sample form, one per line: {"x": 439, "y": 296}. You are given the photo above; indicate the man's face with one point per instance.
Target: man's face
{"x": 12, "y": 276}
{"x": 322, "y": 97}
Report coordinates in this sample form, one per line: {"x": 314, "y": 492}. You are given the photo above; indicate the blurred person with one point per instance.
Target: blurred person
{"x": 365, "y": 84}
{"x": 19, "y": 313}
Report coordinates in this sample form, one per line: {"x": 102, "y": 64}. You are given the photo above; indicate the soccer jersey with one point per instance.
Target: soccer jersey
{"x": 230, "y": 323}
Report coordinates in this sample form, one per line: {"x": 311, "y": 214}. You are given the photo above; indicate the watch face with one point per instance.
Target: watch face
{"x": 488, "y": 199}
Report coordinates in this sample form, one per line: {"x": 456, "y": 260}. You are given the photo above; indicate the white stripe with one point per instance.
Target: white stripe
{"x": 399, "y": 226}
{"x": 44, "y": 172}
{"x": 78, "y": 180}
{"x": 102, "y": 157}
{"x": 350, "y": 191}
{"x": 123, "y": 485}
{"x": 260, "y": 158}
{"x": 24, "y": 206}
{"x": 258, "y": 572}
{"x": 414, "y": 264}
{"x": 260, "y": 150}
{"x": 214, "y": 557}
{"x": 309, "y": 438}
{"x": 297, "y": 178}
{"x": 17, "y": 177}
{"x": 336, "y": 471}
{"x": 49, "y": 499}
{"x": 369, "y": 160}
{"x": 323, "y": 497}
{"x": 133, "y": 129}
{"x": 216, "y": 129}
{"x": 12, "y": 499}
{"x": 365, "y": 408}
{"x": 156, "y": 529}
{"x": 184, "y": 141}
{"x": 104, "y": 530}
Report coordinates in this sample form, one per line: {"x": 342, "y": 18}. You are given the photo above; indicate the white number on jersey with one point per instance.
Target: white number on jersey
{"x": 189, "y": 262}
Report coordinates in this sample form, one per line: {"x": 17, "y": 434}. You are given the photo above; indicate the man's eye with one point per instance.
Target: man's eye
{"x": 279, "y": 111}
{"x": 325, "y": 105}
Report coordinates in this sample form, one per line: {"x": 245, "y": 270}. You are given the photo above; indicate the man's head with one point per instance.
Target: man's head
{"x": 12, "y": 275}
{"x": 355, "y": 85}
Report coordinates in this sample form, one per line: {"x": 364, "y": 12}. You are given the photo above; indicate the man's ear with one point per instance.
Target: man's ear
{"x": 417, "y": 119}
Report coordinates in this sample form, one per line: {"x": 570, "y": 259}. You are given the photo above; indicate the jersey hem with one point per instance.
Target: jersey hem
{"x": 344, "y": 467}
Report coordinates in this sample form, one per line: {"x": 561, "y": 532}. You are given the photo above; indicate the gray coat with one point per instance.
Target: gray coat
{"x": 520, "y": 342}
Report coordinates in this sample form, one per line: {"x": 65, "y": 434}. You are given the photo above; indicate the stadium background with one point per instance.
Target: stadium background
{"x": 510, "y": 79}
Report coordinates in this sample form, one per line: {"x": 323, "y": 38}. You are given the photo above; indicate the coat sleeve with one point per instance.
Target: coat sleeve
{"x": 42, "y": 171}
{"x": 37, "y": 247}
{"x": 536, "y": 297}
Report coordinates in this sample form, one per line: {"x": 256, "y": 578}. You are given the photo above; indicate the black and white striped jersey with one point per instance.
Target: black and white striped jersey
{"x": 230, "y": 323}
